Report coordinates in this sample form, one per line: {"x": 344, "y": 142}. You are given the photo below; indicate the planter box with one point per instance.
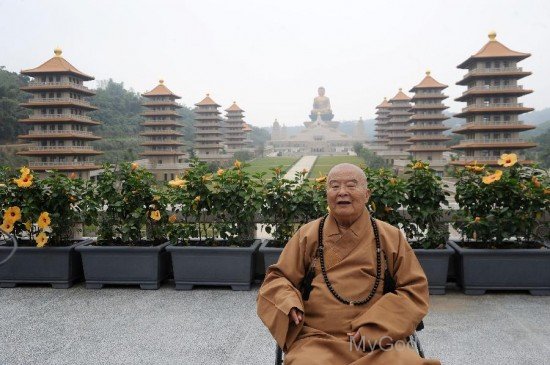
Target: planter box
{"x": 60, "y": 267}
{"x": 436, "y": 267}
{"x": 132, "y": 265}
{"x": 195, "y": 265}
{"x": 270, "y": 254}
{"x": 503, "y": 269}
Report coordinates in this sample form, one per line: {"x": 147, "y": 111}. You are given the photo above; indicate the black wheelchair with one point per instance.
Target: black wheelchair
{"x": 412, "y": 340}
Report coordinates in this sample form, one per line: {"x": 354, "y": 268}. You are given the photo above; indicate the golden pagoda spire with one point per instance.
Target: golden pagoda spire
{"x": 57, "y": 51}
{"x": 492, "y": 35}
{"x": 161, "y": 81}
{"x": 428, "y": 72}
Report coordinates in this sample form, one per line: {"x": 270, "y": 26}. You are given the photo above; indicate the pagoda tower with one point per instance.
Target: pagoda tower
{"x": 234, "y": 134}
{"x": 492, "y": 110}
{"x": 208, "y": 131}
{"x": 379, "y": 144}
{"x": 58, "y": 124}
{"x": 161, "y": 134}
{"x": 247, "y": 130}
{"x": 276, "y": 131}
{"x": 426, "y": 124}
{"x": 397, "y": 134}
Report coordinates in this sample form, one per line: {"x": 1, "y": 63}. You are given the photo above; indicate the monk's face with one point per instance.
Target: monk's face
{"x": 347, "y": 194}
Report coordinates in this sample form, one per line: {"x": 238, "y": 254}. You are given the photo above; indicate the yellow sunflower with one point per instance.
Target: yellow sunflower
{"x": 155, "y": 215}
{"x": 6, "y": 227}
{"x": 41, "y": 239}
{"x": 489, "y": 179}
{"x": 508, "y": 160}
{"x": 44, "y": 220}
{"x": 12, "y": 214}
{"x": 24, "y": 181}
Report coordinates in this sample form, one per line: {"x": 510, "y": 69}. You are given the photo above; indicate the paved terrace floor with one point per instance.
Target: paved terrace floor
{"x": 125, "y": 325}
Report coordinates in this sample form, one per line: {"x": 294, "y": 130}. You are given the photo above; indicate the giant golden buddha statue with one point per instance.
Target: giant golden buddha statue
{"x": 321, "y": 106}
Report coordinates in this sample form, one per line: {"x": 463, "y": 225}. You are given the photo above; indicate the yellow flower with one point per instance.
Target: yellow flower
{"x": 536, "y": 182}
{"x": 155, "y": 215}
{"x": 321, "y": 179}
{"x": 477, "y": 219}
{"x": 25, "y": 171}
{"x": 12, "y": 214}
{"x": 237, "y": 164}
{"x": 418, "y": 165}
{"x": 489, "y": 179}
{"x": 475, "y": 167}
{"x": 134, "y": 166}
{"x": 173, "y": 218}
{"x": 277, "y": 171}
{"x": 24, "y": 181}
{"x": 177, "y": 183}
{"x": 41, "y": 239}
{"x": 7, "y": 226}
{"x": 393, "y": 181}
{"x": 197, "y": 199}
{"x": 546, "y": 191}
{"x": 206, "y": 178}
{"x": 44, "y": 220}
{"x": 28, "y": 226}
{"x": 72, "y": 176}
{"x": 508, "y": 160}
{"x": 220, "y": 172}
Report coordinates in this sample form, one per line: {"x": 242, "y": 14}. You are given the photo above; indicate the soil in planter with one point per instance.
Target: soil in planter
{"x": 32, "y": 243}
{"x": 216, "y": 243}
{"x": 500, "y": 245}
{"x": 119, "y": 242}
{"x": 275, "y": 244}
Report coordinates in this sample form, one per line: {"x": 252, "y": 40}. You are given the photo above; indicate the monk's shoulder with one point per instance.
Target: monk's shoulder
{"x": 391, "y": 233}
{"x": 310, "y": 230}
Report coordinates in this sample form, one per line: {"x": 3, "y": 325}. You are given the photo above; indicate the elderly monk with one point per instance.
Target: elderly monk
{"x": 345, "y": 317}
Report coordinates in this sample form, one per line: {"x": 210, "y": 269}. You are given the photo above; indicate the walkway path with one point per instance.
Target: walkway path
{"x": 306, "y": 162}
{"x": 216, "y": 326}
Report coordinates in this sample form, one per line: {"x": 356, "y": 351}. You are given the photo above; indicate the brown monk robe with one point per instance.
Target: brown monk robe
{"x": 324, "y": 328}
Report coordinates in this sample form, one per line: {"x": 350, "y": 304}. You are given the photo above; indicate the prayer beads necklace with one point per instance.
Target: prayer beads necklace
{"x": 324, "y": 270}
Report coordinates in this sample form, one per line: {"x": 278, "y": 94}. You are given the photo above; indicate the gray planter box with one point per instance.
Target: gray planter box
{"x": 232, "y": 266}
{"x": 60, "y": 267}
{"x": 436, "y": 267}
{"x": 270, "y": 254}
{"x": 503, "y": 269}
{"x": 127, "y": 265}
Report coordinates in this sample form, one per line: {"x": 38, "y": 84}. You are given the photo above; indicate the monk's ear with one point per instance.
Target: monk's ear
{"x": 367, "y": 194}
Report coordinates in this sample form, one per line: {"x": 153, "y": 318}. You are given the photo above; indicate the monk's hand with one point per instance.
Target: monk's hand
{"x": 355, "y": 336}
{"x": 296, "y": 315}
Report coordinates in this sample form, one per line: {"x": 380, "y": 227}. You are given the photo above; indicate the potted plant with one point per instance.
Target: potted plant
{"x": 131, "y": 219}
{"x": 42, "y": 214}
{"x": 424, "y": 227}
{"x": 287, "y": 204}
{"x": 501, "y": 210}
{"x": 214, "y": 244}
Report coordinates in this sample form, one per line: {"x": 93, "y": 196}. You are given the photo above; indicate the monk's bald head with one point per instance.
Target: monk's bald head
{"x": 350, "y": 170}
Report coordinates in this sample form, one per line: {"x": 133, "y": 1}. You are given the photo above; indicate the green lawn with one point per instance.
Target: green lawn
{"x": 265, "y": 163}
{"x": 324, "y": 163}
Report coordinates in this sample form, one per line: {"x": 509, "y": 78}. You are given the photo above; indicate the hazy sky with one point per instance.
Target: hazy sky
{"x": 271, "y": 56}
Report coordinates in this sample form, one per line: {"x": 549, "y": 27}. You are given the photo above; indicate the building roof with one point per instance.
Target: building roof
{"x": 494, "y": 49}
{"x": 428, "y": 82}
{"x": 207, "y": 101}
{"x": 400, "y": 96}
{"x": 56, "y": 64}
{"x": 234, "y": 108}
{"x": 161, "y": 90}
{"x": 384, "y": 104}
{"x": 246, "y": 127}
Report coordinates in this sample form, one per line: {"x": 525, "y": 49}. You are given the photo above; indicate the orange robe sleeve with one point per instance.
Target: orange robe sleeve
{"x": 396, "y": 316}
{"x": 279, "y": 293}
